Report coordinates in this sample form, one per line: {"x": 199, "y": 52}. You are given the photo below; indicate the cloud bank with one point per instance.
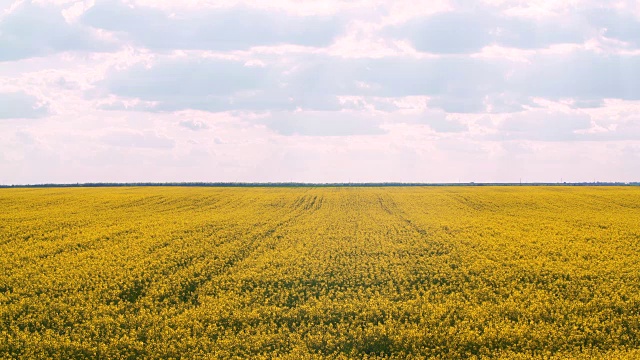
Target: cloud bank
{"x": 241, "y": 90}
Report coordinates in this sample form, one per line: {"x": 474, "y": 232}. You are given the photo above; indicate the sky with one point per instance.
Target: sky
{"x": 319, "y": 91}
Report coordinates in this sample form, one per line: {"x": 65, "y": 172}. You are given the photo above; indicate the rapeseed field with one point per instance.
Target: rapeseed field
{"x": 313, "y": 273}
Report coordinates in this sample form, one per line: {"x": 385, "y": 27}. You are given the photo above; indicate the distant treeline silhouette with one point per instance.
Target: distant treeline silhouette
{"x": 301, "y": 184}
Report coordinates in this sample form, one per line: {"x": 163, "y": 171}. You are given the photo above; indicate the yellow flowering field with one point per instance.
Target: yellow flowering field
{"x": 325, "y": 272}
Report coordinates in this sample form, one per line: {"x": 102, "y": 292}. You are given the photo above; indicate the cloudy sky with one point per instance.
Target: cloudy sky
{"x": 319, "y": 91}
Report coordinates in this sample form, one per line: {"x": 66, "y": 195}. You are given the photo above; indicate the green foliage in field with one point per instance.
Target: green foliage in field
{"x": 455, "y": 272}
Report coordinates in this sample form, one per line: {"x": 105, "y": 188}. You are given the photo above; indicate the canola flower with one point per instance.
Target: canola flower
{"x": 314, "y": 273}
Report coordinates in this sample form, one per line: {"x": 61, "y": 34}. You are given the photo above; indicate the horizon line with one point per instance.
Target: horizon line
{"x": 315, "y": 184}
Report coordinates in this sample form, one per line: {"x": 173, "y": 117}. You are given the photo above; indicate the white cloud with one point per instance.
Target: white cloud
{"x": 247, "y": 90}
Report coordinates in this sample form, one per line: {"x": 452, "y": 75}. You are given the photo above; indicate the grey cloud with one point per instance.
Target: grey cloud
{"x": 345, "y": 123}
{"x": 617, "y": 25}
{"x": 216, "y": 29}
{"x": 218, "y": 85}
{"x": 457, "y": 84}
{"x": 34, "y": 30}
{"x": 450, "y": 32}
{"x": 314, "y": 82}
{"x": 396, "y": 77}
{"x": 475, "y": 86}
{"x": 183, "y": 84}
{"x": 587, "y": 104}
{"x": 322, "y": 123}
{"x": 507, "y": 102}
{"x": 443, "y": 125}
{"x": 531, "y": 34}
{"x": 183, "y": 79}
{"x": 146, "y": 139}
{"x": 195, "y": 125}
{"x": 452, "y": 76}
{"x": 464, "y": 31}
{"x": 583, "y": 75}
{"x": 20, "y": 105}
{"x": 66, "y": 84}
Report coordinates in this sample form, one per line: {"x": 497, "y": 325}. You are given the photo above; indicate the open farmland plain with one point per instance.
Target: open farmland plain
{"x": 406, "y": 272}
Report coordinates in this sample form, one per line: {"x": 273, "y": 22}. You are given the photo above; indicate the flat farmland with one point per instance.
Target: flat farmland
{"x": 305, "y": 273}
